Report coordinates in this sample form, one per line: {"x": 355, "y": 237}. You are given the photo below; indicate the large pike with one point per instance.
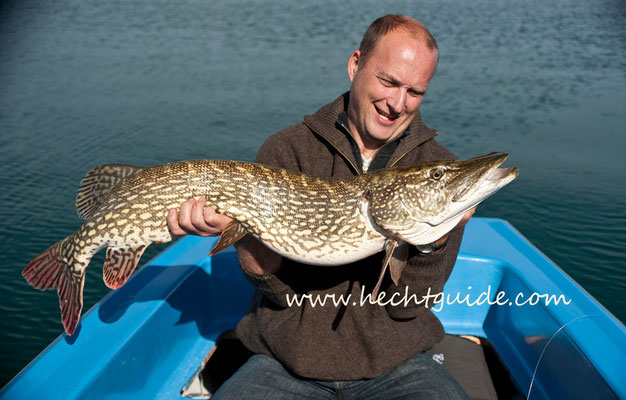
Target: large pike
{"x": 323, "y": 221}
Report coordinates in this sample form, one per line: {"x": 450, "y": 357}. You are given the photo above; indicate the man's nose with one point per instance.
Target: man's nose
{"x": 396, "y": 100}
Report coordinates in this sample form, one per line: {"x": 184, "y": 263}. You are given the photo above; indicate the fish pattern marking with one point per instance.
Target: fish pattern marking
{"x": 315, "y": 220}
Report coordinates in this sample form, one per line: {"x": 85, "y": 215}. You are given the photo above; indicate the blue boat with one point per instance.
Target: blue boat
{"x": 156, "y": 336}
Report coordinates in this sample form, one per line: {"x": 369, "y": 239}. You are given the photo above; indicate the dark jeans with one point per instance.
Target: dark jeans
{"x": 420, "y": 377}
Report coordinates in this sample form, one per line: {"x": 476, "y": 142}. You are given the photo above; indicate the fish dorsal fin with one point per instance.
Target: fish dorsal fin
{"x": 231, "y": 234}
{"x": 96, "y": 183}
{"x": 119, "y": 264}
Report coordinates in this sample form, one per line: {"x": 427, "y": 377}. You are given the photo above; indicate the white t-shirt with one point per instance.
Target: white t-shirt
{"x": 366, "y": 162}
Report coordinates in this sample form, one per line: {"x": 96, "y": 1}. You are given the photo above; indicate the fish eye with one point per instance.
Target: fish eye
{"x": 436, "y": 173}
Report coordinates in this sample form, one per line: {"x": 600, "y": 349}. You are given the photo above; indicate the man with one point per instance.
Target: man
{"x": 362, "y": 349}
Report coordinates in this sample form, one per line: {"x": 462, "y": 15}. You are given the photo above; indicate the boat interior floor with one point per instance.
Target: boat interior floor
{"x": 471, "y": 360}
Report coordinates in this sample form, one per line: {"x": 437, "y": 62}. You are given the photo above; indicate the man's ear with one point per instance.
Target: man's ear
{"x": 353, "y": 63}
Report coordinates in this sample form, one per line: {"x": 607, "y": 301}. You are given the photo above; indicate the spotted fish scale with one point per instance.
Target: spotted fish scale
{"x": 315, "y": 220}
{"x": 308, "y": 219}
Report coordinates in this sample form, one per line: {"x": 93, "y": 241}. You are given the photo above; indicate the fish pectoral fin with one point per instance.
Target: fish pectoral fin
{"x": 398, "y": 261}
{"x": 96, "y": 183}
{"x": 119, "y": 264}
{"x": 390, "y": 245}
{"x": 231, "y": 234}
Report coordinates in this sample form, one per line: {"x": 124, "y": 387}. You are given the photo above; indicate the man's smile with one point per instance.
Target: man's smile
{"x": 387, "y": 117}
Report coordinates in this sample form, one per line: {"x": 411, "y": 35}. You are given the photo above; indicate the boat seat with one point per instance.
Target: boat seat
{"x": 475, "y": 365}
{"x": 470, "y": 360}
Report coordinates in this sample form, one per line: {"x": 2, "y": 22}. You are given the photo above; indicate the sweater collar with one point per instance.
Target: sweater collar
{"x": 326, "y": 122}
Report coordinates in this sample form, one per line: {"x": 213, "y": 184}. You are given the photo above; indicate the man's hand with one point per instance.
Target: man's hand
{"x": 195, "y": 219}
{"x": 466, "y": 217}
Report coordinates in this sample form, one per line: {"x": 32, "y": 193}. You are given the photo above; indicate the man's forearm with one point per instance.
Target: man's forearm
{"x": 255, "y": 257}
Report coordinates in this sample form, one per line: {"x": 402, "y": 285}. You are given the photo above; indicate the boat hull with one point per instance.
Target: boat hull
{"x": 148, "y": 338}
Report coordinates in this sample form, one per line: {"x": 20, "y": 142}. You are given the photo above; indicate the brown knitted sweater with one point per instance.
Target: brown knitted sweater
{"x": 339, "y": 341}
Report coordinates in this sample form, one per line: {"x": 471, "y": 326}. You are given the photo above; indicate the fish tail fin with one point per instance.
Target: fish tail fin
{"x": 70, "y": 290}
{"x": 44, "y": 270}
{"x": 51, "y": 270}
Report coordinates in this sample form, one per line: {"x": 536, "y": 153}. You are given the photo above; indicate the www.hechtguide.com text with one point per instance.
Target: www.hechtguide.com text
{"x": 435, "y": 301}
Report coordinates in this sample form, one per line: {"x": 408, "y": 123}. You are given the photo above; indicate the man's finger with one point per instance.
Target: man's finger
{"x": 197, "y": 219}
{"x": 216, "y": 221}
{"x": 468, "y": 214}
{"x": 210, "y": 216}
{"x": 172, "y": 222}
{"x": 184, "y": 217}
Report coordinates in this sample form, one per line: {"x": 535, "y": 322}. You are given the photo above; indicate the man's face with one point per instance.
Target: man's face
{"x": 387, "y": 91}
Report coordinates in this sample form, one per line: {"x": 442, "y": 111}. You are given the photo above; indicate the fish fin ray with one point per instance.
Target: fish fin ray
{"x": 43, "y": 271}
{"x": 119, "y": 264}
{"x": 62, "y": 266}
{"x": 398, "y": 261}
{"x": 70, "y": 290}
{"x": 231, "y": 234}
{"x": 96, "y": 183}
{"x": 390, "y": 244}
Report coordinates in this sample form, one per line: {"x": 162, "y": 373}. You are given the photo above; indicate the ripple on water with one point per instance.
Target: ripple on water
{"x": 147, "y": 82}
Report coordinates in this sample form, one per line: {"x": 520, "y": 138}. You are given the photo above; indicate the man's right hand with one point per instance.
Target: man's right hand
{"x": 195, "y": 219}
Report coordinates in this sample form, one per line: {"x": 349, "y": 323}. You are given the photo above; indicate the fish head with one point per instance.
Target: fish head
{"x": 421, "y": 203}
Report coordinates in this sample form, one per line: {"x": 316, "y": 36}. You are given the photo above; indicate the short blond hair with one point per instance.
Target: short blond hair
{"x": 388, "y": 23}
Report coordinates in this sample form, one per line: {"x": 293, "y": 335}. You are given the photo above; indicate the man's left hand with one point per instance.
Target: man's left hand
{"x": 466, "y": 217}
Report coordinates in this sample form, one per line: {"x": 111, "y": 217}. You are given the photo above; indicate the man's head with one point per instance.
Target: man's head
{"x": 390, "y": 74}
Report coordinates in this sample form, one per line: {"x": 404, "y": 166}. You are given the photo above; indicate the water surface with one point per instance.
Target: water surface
{"x": 145, "y": 82}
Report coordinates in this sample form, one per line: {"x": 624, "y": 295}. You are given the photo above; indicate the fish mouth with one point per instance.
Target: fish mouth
{"x": 480, "y": 177}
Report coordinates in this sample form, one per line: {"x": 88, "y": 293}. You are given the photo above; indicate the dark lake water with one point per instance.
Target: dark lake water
{"x": 146, "y": 82}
